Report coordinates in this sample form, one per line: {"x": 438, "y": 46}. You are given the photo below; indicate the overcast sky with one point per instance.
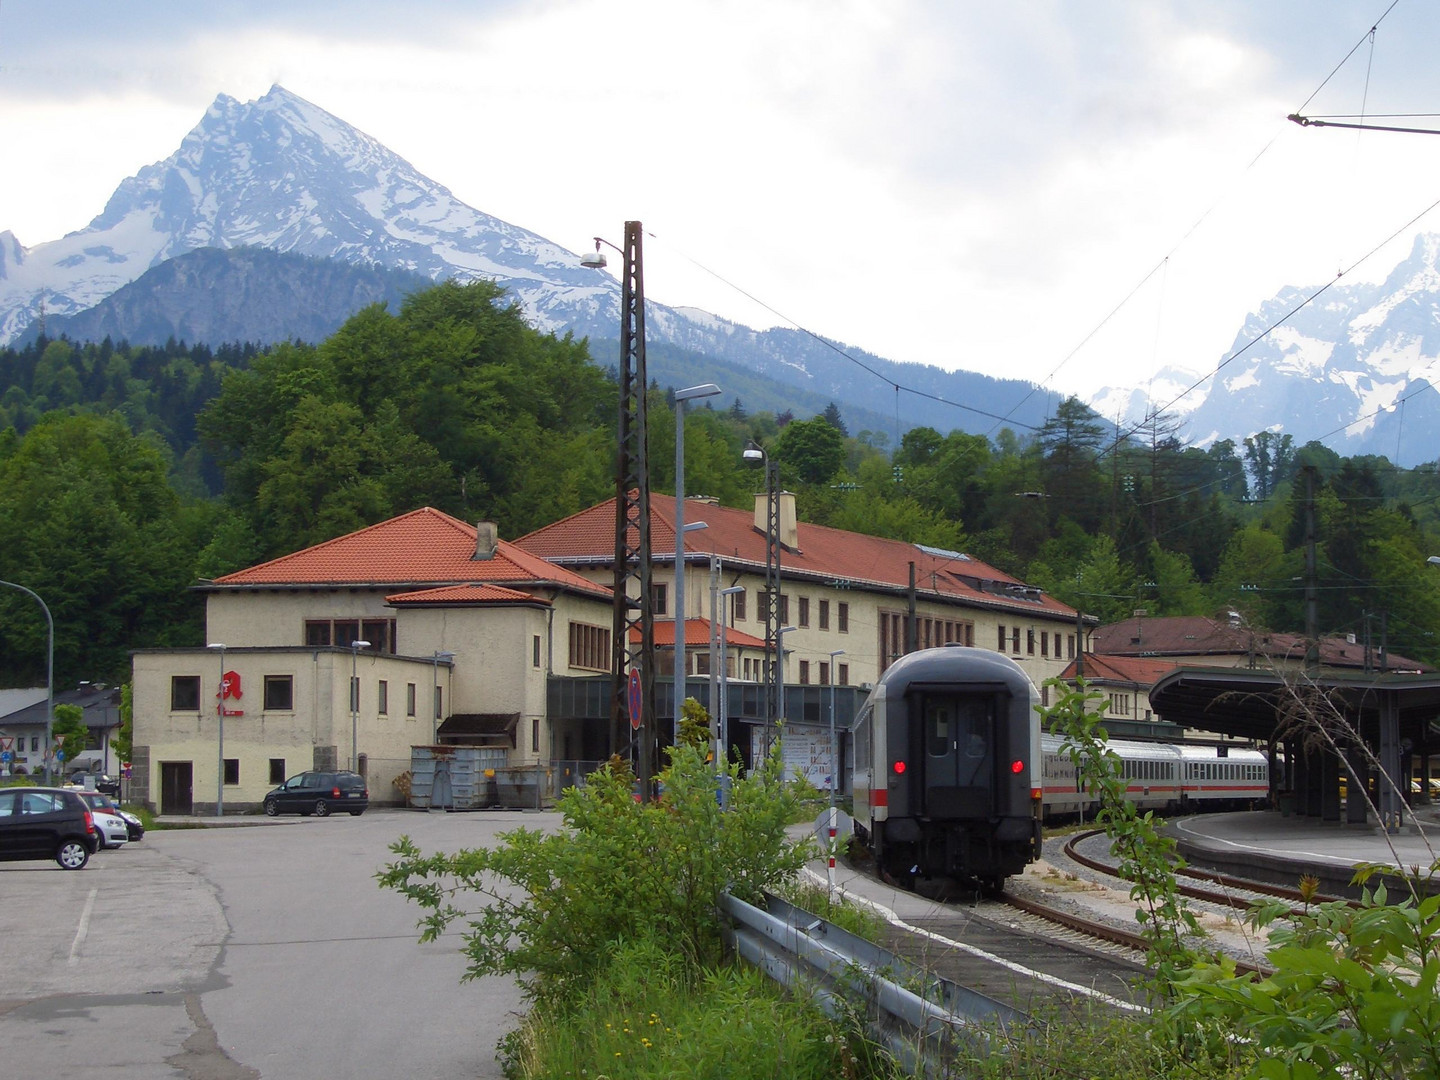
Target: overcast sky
{"x": 950, "y": 182}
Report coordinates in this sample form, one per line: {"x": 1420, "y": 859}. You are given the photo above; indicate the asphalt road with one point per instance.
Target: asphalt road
{"x": 238, "y": 953}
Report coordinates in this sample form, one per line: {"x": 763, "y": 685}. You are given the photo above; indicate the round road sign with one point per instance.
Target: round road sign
{"x": 634, "y": 700}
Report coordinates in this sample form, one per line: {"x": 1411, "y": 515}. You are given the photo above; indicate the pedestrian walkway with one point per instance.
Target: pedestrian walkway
{"x": 1280, "y": 849}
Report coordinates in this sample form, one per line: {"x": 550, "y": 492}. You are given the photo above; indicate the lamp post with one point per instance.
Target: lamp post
{"x": 355, "y": 647}
{"x": 220, "y": 733}
{"x": 690, "y": 393}
{"x": 49, "y": 672}
{"x": 834, "y": 755}
{"x": 755, "y": 452}
{"x": 722, "y": 710}
{"x": 440, "y": 654}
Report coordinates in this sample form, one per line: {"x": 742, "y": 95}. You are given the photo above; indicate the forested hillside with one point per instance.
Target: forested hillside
{"x": 126, "y": 474}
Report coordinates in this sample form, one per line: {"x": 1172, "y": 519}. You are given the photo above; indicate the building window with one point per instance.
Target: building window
{"x": 185, "y": 693}
{"x": 824, "y": 673}
{"x": 1001, "y": 646}
{"x": 410, "y": 699}
{"x": 535, "y": 734}
{"x": 279, "y": 693}
{"x": 843, "y": 616}
{"x": 804, "y": 611}
{"x": 737, "y": 607}
{"x": 589, "y": 646}
{"x": 844, "y": 678}
{"x": 1030, "y": 642}
{"x": 232, "y": 770}
{"x": 659, "y": 598}
{"x": 824, "y": 614}
{"x": 380, "y": 633}
{"x": 1015, "y": 640}
{"x": 277, "y": 770}
{"x": 760, "y": 607}
{"x": 1044, "y": 643}
{"x": 535, "y": 651}
{"x": 382, "y": 705}
{"x": 804, "y": 672}
{"x": 1070, "y": 646}
{"x": 784, "y": 609}
{"x": 702, "y": 663}
{"x": 439, "y": 703}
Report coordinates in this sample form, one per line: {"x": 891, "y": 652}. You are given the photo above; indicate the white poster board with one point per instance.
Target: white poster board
{"x": 806, "y": 752}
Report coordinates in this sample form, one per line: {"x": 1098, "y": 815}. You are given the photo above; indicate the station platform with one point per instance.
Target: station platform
{"x": 1269, "y": 846}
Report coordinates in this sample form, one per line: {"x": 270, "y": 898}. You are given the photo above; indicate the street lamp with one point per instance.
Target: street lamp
{"x": 355, "y": 647}
{"x": 722, "y": 709}
{"x": 49, "y": 673}
{"x": 440, "y": 654}
{"x": 681, "y": 396}
{"x": 220, "y": 733}
{"x": 834, "y": 756}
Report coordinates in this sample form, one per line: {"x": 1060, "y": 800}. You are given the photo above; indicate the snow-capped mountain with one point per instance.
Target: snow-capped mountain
{"x": 1354, "y": 369}
{"x": 283, "y": 174}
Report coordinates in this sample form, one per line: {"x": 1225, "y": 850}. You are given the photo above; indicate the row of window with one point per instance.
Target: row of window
{"x": 279, "y": 695}
{"x": 379, "y": 633}
{"x": 1009, "y": 640}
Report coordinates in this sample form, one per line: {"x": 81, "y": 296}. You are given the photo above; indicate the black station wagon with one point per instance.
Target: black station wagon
{"x": 46, "y": 823}
{"x": 320, "y": 793}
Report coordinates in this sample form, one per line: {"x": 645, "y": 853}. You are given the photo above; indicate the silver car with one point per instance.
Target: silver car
{"x": 114, "y": 833}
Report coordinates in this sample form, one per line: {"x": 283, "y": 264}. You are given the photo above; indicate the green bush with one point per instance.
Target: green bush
{"x": 554, "y": 908}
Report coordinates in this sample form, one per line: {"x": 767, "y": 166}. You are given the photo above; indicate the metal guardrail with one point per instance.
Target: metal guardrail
{"x": 916, "y": 1015}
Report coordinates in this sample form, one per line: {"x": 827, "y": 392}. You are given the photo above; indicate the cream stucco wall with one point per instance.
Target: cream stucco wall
{"x": 861, "y": 641}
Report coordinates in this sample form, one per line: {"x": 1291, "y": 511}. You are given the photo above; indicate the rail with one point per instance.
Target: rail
{"x": 918, "y": 1016}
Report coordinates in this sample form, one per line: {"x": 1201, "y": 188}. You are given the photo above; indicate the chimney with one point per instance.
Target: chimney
{"x": 789, "y": 526}
{"x": 487, "y": 538}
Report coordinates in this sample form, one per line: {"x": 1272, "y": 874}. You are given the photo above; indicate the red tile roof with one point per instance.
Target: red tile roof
{"x": 423, "y": 547}
{"x": 467, "y": 595}
{"x": 697, "y": 632}
{"x": 1140, "y": 670}
{"x": 1197, "y": 635}
{"x": 826, "y": 554}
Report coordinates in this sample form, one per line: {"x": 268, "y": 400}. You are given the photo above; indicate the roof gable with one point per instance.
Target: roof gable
{"x": 425, "y": 546}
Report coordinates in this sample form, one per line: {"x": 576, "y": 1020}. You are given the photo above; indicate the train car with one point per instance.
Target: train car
{"x": 1159, "y": 776}
{"x": 1238, "y": 780}
{"x": 946, "y": 775}
{"x": 1151, "y": 772}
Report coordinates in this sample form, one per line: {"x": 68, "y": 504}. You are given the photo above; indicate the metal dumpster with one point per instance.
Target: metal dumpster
{"x": 524, "y": 787}
{"x": 454, "y": 777}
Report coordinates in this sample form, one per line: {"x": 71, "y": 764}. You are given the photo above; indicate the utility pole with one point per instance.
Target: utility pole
{"x": 1312, "y": 610}
{"x": 633, "y": 605}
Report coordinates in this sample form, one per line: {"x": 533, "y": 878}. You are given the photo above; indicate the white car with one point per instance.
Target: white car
{"x": 114, "y": 833}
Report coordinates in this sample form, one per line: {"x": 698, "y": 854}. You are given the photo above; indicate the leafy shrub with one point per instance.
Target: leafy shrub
{"x": 554, "y": 908}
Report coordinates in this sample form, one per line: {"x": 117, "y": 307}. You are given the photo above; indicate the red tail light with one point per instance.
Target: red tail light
{"x": 89, "y": 821}
{"x": 335, "y": 793}
{"x": 1017, "y": 766}
{"x": 899, "y": 767}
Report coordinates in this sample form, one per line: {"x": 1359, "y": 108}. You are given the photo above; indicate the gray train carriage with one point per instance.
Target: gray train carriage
{"x": 946, "y": 768}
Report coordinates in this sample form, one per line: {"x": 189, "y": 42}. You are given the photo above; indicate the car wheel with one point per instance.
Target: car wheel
{"x": 322, "y": 808}
{"x": 72, "y": 854}
{"x": 272, "y": 808}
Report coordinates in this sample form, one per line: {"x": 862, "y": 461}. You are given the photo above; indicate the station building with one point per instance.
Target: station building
{"x": 471, "y": 639}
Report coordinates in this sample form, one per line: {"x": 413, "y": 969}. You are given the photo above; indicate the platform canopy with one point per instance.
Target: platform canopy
{"x": 1251, "y": 704}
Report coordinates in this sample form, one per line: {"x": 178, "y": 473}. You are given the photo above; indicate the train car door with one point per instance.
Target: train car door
{"x": 959, "y": 735}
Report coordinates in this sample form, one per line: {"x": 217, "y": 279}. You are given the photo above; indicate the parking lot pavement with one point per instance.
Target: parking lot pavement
{"x": 235, "y": 953}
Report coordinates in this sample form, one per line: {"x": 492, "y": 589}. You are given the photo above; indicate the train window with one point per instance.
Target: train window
{"x": 937, "y": 730}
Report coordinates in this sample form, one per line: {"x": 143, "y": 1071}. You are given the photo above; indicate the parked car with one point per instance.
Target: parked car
{"x": 47, "y": 823}
{"x": 106, "y": 785}
{"x": 319, "y": 793}
{"x": 104, "y": 805}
